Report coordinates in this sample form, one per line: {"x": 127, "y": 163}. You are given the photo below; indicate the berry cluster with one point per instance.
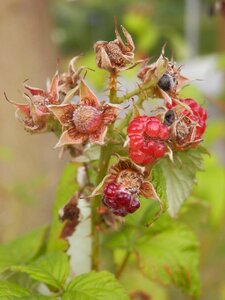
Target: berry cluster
{"x": 147, "y": 136}
{"x": 121, "y": 201}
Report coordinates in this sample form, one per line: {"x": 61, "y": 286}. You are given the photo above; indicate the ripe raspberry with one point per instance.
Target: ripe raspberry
{"x": 147, "y": 136}
{"x": 121, "y": 202}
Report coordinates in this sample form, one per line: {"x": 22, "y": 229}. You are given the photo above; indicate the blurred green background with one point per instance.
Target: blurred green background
{"x": 34, "y": 34}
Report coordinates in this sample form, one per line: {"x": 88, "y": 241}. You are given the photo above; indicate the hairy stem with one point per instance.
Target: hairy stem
{"x": 105, "y": 155}
{"x": 113, "y": 87}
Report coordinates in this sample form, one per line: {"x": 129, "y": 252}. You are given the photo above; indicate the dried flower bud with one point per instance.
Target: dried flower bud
{"x": 115, "y": 55}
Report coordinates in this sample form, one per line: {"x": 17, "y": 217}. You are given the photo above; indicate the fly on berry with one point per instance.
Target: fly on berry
{"x": 169, "y": 117}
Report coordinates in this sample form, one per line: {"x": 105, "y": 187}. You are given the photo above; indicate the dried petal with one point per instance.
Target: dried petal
{"x": 71, "y": 137}
{"x": 109, "y": 113}
{"x": 99, "y": 136}
{"x": 87, "y": 97}
{"x": 63, "y": 112}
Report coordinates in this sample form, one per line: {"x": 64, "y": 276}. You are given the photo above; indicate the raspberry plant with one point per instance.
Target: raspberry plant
{"x": 138, "y": 168}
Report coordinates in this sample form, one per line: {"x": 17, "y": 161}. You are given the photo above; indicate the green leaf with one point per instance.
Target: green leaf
{"x": 135, "y": 224}
{"x": 51, "y": 269}
{"x": 21, "y": 250}
{"x": 66, "y": 188}
{"x": 95, "y": 286}
{"x": 178, "y": 177}
{"x": 10, "y": 291}
{"x": 170, "y": 255}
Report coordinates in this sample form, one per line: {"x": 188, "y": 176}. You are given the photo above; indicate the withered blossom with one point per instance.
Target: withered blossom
{"x": 131, "y": 178}
{"x": 171, "y": 81}
{"x": 35, "y": 114}
{"x": 115, "y": 55}
{"x": 86, "y": 121}
{"x": 69, "y": 80}
{"x": 70, "y": 216}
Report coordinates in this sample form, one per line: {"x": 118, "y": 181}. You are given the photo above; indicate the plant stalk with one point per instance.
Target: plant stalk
{"x": 123, "y": 264}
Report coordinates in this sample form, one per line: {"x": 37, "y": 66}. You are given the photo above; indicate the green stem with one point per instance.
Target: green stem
{"x": 138, "y": 91}
{"x": 96, "y": 202}
{"x": 128, "y": 116}
{"x": 106, "y": 151}
{"x": 123, "y": 264}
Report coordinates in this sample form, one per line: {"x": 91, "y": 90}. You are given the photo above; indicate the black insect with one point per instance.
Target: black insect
{"x": 169, "y": 117}
{"x": 166, "y": 82}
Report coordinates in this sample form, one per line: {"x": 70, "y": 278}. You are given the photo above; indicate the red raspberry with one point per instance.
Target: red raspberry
{"x": 121, "y": 202}
{"x": 147, "y": 136}
{"x": 134, "y": 205}
{"x": 160, "y": 150}
{"x": 136, "y": 141}
{"x": 111, "y": 190}
{"x": 137, "y": 126}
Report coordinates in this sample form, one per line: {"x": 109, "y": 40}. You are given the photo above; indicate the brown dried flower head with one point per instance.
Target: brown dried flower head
{"x": 35, "y": 114}
{"x": 115, "y": 55}
{"x": 86, "y": 121}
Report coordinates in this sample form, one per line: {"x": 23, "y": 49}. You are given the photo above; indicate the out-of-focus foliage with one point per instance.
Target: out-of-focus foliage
{"x": 151, "y": 23}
